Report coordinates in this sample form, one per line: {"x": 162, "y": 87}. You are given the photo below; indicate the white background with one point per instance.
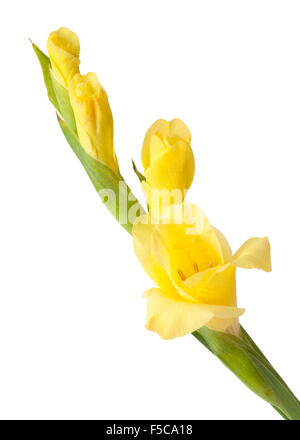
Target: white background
{"x": 72, "y": 337}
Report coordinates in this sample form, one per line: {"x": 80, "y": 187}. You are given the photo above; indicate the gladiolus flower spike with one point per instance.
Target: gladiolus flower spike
{"x": 188, "y": 259}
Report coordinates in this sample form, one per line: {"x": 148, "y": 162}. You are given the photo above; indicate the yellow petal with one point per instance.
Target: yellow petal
{"x": 254, "y": 253}
{"x": 224, "y": 312}
{"x": 174, "y": 168}
{"x": 160, "y": 126}
{"x": 146, "y": 190}
{"x": 213, "y": 286}
{"x": 226, "y": 249}
{"x": 230, "y": 325}
{"x": 157, "y": 147}
{"x": 179, "y": 130}
{"x": 63, "y": 47}
{"x": 142, "y": 233}
{"x": 172, "y": 318}
{"x": 94, "y": 119}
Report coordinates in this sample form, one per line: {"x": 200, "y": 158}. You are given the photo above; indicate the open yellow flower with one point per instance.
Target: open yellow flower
{"x": 94, "y": 119}
{"x": 192, "y": 264}
{"x": 63, "y": 47}
{"x": 168, "y": 161}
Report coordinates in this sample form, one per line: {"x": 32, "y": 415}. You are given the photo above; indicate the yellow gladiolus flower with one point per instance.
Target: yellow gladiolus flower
{"x": 63, "y": 47}
{"x": 94, "y": 119}
{"x": 195, "y": 271}
{"x": 168, "y": 160}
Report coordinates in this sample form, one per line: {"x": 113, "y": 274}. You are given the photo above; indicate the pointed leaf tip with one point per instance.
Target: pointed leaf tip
{"x": 140, "y": 176}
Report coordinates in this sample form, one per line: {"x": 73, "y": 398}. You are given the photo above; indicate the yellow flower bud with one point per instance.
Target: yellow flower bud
{"x": 167, "y": 158}
{"x": 94, "y": 119}
{"x": 63, "y": 47}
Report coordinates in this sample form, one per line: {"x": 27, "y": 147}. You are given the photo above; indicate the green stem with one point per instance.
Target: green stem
{"x": 243, "y": 357}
